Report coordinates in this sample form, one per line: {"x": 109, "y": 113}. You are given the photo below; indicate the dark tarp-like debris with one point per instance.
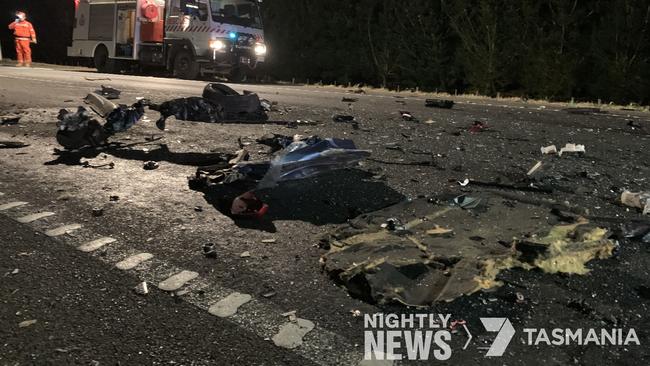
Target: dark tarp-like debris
{"x": 439, "y": 252}
{"x": 219, "y": 104}
{"x": 236, "y": 107}
{"x": 299, "y": 158}
{"x": 310, "y": 157}
{"x": 193, "y": 109}
{"x": 439, "y": 103}
{"x": 109, "y": 92}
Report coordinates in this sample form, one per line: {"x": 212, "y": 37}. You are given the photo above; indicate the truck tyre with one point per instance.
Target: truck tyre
{"x": 102, "y": 62}
{"x": 185, "y": 67}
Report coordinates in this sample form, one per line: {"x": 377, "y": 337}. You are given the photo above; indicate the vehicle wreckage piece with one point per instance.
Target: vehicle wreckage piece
{"x": 79, "y": 129}
{"x": 417, "y": 266}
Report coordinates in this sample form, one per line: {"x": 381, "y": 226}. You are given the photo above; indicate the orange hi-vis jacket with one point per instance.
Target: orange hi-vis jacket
{"x": 23, "y": 29}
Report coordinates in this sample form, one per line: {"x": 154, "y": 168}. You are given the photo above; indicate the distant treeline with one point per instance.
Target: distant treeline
{"x": 556, "y": 49}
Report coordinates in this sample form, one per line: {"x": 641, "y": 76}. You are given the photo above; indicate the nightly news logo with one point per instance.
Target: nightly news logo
{"x": 426, "y": 336}
{"x": 417, "y": 334}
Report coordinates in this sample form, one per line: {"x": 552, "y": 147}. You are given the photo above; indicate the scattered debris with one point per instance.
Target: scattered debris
{"x": 639, "y": 200}
{"x": 637, "y": 230}
{"x": 464, "y": 183}
{"x": 142, "y": 288}
{"x": 549, "y": 150}
{"x": 12, "y": 145}
{"x": 248, "y": 205}
{"x": 357, "y": 91}
{"x": 109, "y": 92}
{"x": 585, "y": 111}
{"x": 97, "y": 79}
{"x": 478, "y": 126}
{"x": 9, "y": 120}
{"x": 269, "y": 241}
{"x": 269, "y": 106}
{"x": 356, "y": 313}
{"x": 97, "y": 212}
{"x": 150, "y": 165}
{"x": 427, "y": 263}
{"x": 349, "y": 100}
{"x": 109, "y": 166}
{"x": 27, "y": 323}
{"x": 342, "y": 118}
{"x": 297, "y": 123}
{"x": 439, "y": 103}
{"x": 572, "y": 148}
{"x": 245, "y": 254}
{"x": 100, "y": 104}
{"x": 407, "y": 116}
{"x": 467, "y": 203}
{"x": 210, "y": 250}
{"x": 535, "y": 168}
{"x": 269, "y": 294}
{"x": 114, "y": 198}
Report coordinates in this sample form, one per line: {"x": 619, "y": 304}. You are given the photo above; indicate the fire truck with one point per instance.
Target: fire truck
{"x": 187, "y": 37}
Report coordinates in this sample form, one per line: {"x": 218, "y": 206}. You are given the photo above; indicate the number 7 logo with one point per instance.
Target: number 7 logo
{"x": 503, "y": 338}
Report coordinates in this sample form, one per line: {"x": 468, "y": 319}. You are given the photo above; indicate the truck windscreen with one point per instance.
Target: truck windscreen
{"x": 240, "y": 12}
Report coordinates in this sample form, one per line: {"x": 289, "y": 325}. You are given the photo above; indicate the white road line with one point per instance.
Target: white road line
{"x": 291, "y": 334}
{"x": 177, "y": 281}
{"x": 62, "y": 230}
{"x": 228, "y": 306}
{"x": 10, "y": 205}
{"x": 95, "y": 244}
{"x": 33, "y": 217}
{"x": 133, "y": 261}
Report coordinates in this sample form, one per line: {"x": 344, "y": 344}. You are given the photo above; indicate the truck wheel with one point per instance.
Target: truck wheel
{"x": 185, "y": 67}
{"x": 102, "y": 62}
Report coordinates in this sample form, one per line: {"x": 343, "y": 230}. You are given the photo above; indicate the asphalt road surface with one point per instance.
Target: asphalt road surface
{"x": 78, "y": 288}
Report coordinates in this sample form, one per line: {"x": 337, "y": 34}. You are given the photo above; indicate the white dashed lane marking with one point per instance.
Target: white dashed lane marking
{"x": 133, "y": 261}
{"x": 10, "y": 205}
{"x": 228, "y": 306}
{"x": 63, "y": 230}
{"x": 177, "y": 281}
{"x": 33, "y": 217}
{"x": 95, "y": 244}
{"x": 292, "y": 333}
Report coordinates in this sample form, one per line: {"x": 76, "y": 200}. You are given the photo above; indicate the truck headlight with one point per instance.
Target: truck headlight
{"x": 260, "y": 49}
{"x": 217, "y": 45}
